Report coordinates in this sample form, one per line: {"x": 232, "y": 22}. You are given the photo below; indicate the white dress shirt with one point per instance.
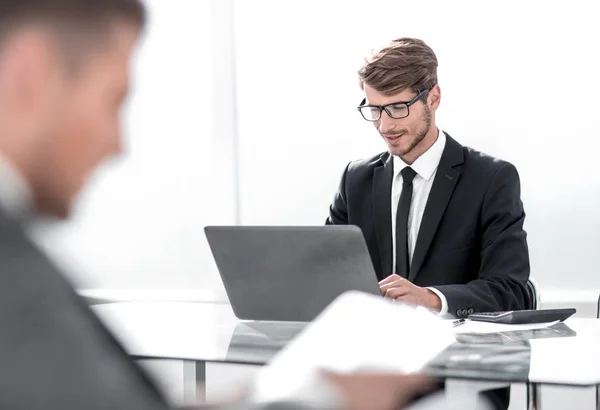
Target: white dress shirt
{"x": 426, "y": 167}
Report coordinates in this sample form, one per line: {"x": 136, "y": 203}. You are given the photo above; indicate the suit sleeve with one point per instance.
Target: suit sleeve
{"x": 338, "y": 210}
{"x": 504, "y": 269}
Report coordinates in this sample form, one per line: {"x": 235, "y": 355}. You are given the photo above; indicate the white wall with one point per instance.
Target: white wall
{"x": 519, "y": 80}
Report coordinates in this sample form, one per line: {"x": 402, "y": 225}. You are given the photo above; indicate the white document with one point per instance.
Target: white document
{"x": 474, "y": 326}
{"x": 357, "y": 331}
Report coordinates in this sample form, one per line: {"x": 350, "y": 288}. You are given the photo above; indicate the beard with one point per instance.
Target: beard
{"x": 419, "y": 135}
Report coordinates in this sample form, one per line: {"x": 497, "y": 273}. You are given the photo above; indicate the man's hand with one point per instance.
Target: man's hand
{"x": 397, "y": 288}
{"x": 375, "y": 391}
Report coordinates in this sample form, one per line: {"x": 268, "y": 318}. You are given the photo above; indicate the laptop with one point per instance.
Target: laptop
{"x": 290, "y": 273}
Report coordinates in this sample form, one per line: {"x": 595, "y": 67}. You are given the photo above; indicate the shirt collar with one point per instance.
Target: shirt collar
{"x": 428, "y": 162}
{"x": 16, "y": 199}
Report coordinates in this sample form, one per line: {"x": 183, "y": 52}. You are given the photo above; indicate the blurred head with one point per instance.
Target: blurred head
{"x": 403, "y": 77}
{"x": 64, "y": 74}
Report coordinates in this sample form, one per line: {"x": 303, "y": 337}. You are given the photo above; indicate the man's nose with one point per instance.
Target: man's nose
{"x": 386, "y": 123}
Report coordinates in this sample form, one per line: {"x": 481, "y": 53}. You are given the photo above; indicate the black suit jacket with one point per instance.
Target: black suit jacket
{"x": 471, "y": 243}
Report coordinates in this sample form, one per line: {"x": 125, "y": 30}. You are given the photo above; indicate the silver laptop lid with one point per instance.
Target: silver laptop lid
{"x": 289, "y": 273}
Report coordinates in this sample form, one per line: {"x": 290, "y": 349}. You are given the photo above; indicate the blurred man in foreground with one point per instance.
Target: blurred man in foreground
{"x": 63, "y": 77}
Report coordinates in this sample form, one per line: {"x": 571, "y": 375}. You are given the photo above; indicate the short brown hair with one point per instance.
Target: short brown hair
{"x": 405, "y": 63}
{"x": 76, "y": 21}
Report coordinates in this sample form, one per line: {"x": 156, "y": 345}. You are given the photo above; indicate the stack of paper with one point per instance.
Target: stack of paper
{"x": 356, "y": 332}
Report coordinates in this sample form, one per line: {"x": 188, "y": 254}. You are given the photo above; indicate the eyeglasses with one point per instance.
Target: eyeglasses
{"x": 395, "y": 110}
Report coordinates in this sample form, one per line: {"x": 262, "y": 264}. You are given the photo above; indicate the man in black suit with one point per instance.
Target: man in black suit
{"x": 443, "y": 222}
{"x": 63, "y": 77}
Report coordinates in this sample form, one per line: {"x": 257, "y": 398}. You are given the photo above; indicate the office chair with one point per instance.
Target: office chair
{"x": 534, "y": 390}
{"x": 597, "y": 389}
{"x": 534, "y": 294}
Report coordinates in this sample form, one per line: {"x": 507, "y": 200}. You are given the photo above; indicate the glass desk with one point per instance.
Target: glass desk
{"x": 565, "y": 354}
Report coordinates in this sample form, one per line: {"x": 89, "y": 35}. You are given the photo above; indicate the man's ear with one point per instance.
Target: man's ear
{"x": 434, "y": 97}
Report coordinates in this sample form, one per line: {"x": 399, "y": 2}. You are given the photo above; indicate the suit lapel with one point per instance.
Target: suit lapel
{"x": 444, "y": 183}
{"x": 382, "y": 191}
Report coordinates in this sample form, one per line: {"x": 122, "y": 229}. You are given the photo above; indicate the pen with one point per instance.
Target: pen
{"x": 458, "y": 322}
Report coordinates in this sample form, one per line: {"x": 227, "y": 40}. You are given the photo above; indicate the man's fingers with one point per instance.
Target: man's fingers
{"x": 379, "y": 391}
{"x": 385, "y": 288}
{"x": 419, "y": 383}
{"x": 411, "y": 386}
{"x": 390, "y": 279}
{"x": 398, "y": 283}
{"x": 396, "y": 293}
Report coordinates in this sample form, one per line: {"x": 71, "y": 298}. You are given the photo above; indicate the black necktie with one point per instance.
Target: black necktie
{"x": 402, "y": 260}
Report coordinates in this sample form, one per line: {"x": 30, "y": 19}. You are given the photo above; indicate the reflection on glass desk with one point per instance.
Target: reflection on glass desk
{"x": 258, "y": 342}
{"x": 503, "y": 356}
{"x": 516, "y": 337}
{"x": 483, "y": 362}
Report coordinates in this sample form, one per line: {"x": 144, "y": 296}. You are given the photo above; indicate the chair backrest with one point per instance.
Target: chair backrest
{"x": 534, "y": 294}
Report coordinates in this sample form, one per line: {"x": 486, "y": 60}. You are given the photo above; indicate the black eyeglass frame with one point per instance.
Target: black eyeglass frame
{"x": 418, "y": 97}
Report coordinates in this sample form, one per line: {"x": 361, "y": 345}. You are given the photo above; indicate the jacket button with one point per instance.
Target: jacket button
{"x": 464, "y": 312}
{"x": 459, "y": 312}
{"x": 470, "y": 311}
